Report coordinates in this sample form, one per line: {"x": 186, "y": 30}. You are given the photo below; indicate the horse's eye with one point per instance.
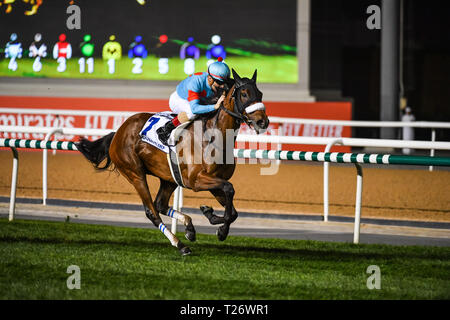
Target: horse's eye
{"x": 244, "y": 95}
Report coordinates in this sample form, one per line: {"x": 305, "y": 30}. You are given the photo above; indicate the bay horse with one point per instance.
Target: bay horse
{"x": 135, "y": 159}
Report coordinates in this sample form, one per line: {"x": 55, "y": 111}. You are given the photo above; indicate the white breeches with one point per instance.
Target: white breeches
{"x": 178, "y": 104}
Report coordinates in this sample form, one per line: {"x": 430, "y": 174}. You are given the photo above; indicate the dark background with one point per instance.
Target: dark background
{"x": 345, "y": 55}
{"x": 345, "y": 59}
{"x": 232, "y": 20}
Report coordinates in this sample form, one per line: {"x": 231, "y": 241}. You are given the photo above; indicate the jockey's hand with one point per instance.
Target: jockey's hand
{"x": 219, "y": 102}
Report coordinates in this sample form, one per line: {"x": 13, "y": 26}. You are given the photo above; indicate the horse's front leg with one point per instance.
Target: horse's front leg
{"x": 222, "y": 198}
{"x": 208, "y": 212}
{"x": 226, "y": 190}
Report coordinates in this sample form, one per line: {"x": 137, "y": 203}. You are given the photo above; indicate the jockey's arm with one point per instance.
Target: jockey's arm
{"x": 198, "y": 108}
{"x": 195, "y": 93}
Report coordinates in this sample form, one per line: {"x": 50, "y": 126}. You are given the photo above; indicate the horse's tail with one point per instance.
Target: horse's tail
{"x": 96, "y": 151}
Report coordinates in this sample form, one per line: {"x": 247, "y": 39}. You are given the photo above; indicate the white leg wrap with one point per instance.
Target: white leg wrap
{"x": 173, "y": 240}
{"x": 176, "y": 215}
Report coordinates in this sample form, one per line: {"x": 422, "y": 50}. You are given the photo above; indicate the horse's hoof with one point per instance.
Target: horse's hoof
{"x": 190, "y": 236}
{"x": 185, "y": 251}
{"x": 206, "y": 210}
{"x": 222, "y": 233}
{"x": 189, "y": 232}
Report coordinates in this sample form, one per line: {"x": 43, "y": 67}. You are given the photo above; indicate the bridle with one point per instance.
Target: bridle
{"x": 248, "y": 107}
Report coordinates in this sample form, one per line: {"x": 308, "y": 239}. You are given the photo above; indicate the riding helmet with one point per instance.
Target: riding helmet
{"x": 219, "y": 70}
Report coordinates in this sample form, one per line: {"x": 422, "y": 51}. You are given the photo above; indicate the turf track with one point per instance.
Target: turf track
{"x": 131, "y": 263}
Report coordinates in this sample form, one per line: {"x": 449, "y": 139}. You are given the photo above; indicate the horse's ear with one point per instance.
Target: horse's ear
{"x": 254, "y": 75}
{"x": 236, "y": 77}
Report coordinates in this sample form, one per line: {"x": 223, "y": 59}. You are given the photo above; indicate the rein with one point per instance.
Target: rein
{"x": 240, "y": 117}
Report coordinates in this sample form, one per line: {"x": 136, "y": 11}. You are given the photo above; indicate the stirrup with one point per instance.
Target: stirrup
{"x": 164, "y": 137}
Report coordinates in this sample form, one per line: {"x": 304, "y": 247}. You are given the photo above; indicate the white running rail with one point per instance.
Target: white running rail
{"x": 279, "y": 140}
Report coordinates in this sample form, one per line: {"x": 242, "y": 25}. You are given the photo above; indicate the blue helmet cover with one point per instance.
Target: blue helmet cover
{"x": 219, "y": 71}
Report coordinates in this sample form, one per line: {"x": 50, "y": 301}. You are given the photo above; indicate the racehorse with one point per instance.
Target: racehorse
{"x": 134, "y": 159}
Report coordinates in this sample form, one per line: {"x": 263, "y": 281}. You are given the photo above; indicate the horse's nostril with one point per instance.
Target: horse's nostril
{"x": 262, "y": 124}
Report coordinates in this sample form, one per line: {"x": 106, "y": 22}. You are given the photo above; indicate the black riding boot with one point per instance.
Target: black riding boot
{"x": 164, "y": 132}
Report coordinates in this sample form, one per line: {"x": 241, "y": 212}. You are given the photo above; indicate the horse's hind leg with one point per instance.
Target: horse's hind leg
{"x": 162, "y": 206}
{"x": 138, "y": 180}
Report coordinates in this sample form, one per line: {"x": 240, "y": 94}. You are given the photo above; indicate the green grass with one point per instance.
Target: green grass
{"x": 272, "y": 69}
{"x": 131, "y": 263}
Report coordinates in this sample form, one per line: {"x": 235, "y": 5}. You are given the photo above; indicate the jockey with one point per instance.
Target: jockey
{"x": 186, "y": 99}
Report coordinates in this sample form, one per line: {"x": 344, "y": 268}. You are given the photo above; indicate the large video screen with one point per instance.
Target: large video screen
{"x": 147, "y": 39}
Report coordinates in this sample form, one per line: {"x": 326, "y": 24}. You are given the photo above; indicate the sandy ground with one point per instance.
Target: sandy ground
{"x": 295, "y": 188}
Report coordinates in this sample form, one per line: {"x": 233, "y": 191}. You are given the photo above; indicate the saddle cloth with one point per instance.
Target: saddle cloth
{"x": 149, "y": 135}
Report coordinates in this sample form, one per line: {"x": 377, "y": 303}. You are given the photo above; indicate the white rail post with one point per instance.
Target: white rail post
{"x": 180, "y": 199}
{"x": 12, "y": 200}
{"x": 44, "y": 164}
{"x": 176, "y": 204}
{"x": 326, "y": 170}
{"x": 44, "y": 177}
{"x": 433, "y": 139}
{"x": 359, "y": 186}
